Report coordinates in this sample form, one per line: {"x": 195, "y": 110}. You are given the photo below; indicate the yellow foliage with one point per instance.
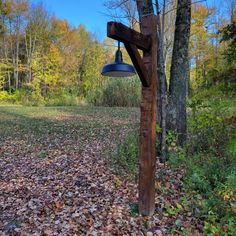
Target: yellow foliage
{"x": 205, "y": 50}
{"x": 3, "y": 95}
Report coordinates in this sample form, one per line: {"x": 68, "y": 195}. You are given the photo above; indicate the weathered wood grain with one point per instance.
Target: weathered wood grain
{"x": 124, "y": 34}
{"x": 147, "y": 158}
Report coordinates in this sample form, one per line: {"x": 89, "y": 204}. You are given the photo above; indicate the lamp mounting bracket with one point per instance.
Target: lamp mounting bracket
{"x": 133, "y": 41}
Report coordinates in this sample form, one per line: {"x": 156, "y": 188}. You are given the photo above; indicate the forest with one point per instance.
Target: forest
{"x": 69, "y": 136}
{"x": 46, "y": 61}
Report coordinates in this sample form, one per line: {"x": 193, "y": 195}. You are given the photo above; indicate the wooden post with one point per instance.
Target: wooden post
{"x": 147, "y": 158}
{"x": 146, "y": 67}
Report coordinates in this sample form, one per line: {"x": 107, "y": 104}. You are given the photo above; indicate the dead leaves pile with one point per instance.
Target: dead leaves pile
{"x": 60, "y": 184}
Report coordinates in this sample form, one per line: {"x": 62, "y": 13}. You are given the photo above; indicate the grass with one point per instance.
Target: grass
{"x": 46, "y": 119}
{"x": 40, "y": 129}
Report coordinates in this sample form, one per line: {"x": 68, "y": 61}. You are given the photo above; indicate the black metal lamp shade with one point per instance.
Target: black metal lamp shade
{"x": 118, "y": 68}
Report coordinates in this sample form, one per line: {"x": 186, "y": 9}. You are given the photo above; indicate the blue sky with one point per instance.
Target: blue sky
{"x": 86, "y": 12}
{"x": 91, "y": 13}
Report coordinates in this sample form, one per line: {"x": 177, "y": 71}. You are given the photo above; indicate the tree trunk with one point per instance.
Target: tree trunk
{"x": 144, "y": 7}
{"x": 6, "y": 59}
{"x": 162, "y": 85}
{"x": 29, "y": 55}
{"x": 17, "y": 63}
{"x": 177, "y": 117}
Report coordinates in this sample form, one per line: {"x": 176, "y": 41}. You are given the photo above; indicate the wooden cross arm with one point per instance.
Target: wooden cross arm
{"x": 124, "y": 34}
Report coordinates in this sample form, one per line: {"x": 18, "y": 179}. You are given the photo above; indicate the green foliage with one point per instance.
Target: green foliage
{"x": 230, "y": 54}
{"x": 211, "y": 62}
{"x": 126, "y": 155}
{"x": 231, "y": 148}
{"x": 210, "y": 161}
{"x": 207, "y": 126}
{"x": 6, "y": 97}
{"x": 30, "y": 96}
{"x": 214, "y": 180}
{"x": 158, "y": 128}
{"x": 5, "y": 66}
{"x": 42, "y": 154}
{"x": 221, "y": 95}
{"x": 121, "y": 92}
{"x": 64, "y": 97}
{"x": 172, "y": 210}
{"x": 228, "y": 34}
{"x": 134, "y": 209}
{"x": 171, "y": 137}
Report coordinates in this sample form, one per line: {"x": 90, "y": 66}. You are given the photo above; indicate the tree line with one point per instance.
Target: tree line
{"x": 44, "y": 57}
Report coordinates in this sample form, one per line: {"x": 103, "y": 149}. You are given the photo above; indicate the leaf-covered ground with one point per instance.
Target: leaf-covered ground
{"x": 55, "y": 180}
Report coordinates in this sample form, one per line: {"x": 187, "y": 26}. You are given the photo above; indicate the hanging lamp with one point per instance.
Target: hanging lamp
{"x": 118, "y": 68}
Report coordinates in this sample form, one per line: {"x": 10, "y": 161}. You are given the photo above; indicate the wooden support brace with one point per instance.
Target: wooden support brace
{"x": 138, "y": 63}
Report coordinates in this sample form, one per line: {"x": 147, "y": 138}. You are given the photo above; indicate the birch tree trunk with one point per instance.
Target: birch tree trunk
{"x": 29, "y": 47}
{"x": 17, "y": 61}
{"x": 6, "y": 57}
{"x": 36, "y": 29}
{"x": 177, "y": 117}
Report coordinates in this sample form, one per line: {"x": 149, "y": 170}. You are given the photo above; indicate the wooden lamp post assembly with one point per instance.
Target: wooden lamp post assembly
{"x": 146, "y": 67}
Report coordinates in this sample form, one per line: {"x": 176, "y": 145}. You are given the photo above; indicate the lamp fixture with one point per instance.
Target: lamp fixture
{"x": 118, "y": 68}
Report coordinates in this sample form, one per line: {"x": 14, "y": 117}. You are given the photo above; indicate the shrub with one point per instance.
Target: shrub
{"x": 207, "y": 129}
{"x": 214, "y": 180}
{"x": 6, "y": 97}
{"x": 95, "y": 97}
{"x": 210, "y": 163}
{"x": 118, "y": 92}
{"x": 126, "y": 155}
{"x": 30, "y": 97}
{"x": 64, "y": 97}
